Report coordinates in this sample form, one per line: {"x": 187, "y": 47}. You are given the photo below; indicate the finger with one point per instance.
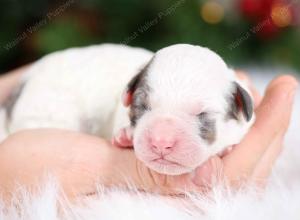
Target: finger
{"x": 276, "y": 107}
{"x": 255, "y": 94}
{"x": 264, "y": 167}
{"x": 272, "y": 118}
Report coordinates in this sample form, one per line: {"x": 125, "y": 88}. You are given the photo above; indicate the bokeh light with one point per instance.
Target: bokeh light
{"x": 212, "y": 12}
{"x": 281, "y": 15}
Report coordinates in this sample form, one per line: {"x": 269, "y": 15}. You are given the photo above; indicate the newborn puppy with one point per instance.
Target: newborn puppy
{"x": 185, "y": 106}
{"x": 181, "y": 106}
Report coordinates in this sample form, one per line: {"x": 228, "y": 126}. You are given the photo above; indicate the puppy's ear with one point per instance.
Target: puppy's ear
{"x": 241, "y": 102}
{"x": 130, "y": 89}
{"x": 133, "y": 84}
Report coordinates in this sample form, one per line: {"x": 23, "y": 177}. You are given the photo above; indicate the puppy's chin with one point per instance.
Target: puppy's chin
{"x": 168, "y": 168}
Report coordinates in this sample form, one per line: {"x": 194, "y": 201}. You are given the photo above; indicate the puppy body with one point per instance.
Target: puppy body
{"x": 77, "y": 89}
{"x": 185, "y": 104}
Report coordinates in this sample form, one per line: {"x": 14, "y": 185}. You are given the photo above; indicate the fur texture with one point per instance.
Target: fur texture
{"x": 280, "y": 201}
{"x": 69, "y": 89}
{"x": 187, "y": 105}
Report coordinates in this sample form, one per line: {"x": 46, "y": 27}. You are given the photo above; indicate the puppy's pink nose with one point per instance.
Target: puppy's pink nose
{"x": 162, "y": 145}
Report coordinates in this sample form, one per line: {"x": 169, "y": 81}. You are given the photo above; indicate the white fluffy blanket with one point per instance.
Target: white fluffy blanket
{"x": 280, "y": 201}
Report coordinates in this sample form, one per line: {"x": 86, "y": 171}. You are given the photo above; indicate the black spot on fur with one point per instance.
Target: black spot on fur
{"x": 207, "y": 127}
{"x": 140, "y": 102}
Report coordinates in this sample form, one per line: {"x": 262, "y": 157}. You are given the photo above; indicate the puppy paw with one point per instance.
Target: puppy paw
{"x": 123, "y": 138}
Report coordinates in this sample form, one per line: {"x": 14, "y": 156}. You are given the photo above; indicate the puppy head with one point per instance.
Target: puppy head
{"x": 185, "y": 106}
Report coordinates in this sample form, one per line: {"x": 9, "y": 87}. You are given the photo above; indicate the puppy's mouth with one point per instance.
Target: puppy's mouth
{"x": 166, "y": 166}
{"x": 166, "y": 162}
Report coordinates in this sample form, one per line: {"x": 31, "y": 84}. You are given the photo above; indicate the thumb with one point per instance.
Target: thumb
{"x": 272, "y": 119}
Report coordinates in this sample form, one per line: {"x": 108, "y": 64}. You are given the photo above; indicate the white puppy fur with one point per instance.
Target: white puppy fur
{"x": 80, "y": 90}
{"x": 77, "y": 89}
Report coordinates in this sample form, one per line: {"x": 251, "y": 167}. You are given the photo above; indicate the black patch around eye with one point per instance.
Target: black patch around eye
{"x": 140, "y": 103}
{"x": 139, "y": 106}
{"x": 137, "y": 112}
{"x": 207, "y": 127}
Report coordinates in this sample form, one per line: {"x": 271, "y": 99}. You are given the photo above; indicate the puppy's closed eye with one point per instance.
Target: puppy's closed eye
{"x": 207, "y": 127}
{"x": 139, "y": 106}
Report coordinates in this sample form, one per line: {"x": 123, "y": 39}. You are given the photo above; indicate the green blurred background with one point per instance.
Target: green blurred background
{"x": 259, "y": 32}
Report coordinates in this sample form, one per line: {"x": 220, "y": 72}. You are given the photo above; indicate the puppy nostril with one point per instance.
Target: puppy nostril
{"x": 162, "y": 146}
